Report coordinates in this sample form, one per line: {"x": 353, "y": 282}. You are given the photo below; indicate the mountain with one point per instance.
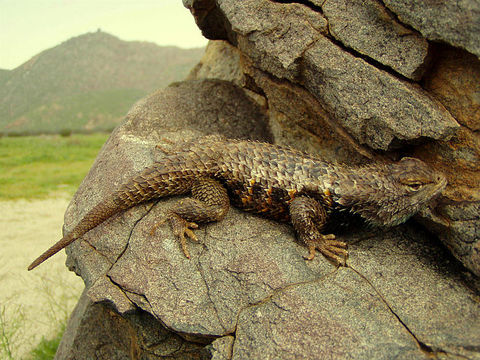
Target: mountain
{"x": 4, "y": 74}
{"x": 86, "y": 83}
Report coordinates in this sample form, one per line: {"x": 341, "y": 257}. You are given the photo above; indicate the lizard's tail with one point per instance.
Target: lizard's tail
{"x": 96, "y": 216}
{"x": 172, "y": 177}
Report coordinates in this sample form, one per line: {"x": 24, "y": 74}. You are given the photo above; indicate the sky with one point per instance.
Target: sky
{"x": 28, "y": 27}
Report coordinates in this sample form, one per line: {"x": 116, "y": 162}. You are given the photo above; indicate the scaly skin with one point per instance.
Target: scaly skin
{"x": 276, "y": 182}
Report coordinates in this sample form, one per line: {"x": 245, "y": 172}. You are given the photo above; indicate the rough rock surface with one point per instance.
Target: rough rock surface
{"x": 247, "y": 293}
{"x": 396, "y": 110}
{"x": 455, "y": 80}
{"x": 97, "y": 331}
{"x": 454, "y": 22}
{"x": 220, "y": 61}
{"x": 367, "y": 27}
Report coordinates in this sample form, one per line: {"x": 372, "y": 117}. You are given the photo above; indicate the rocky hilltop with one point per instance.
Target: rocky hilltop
{"x": 86, "y": 83}
{"x": 354, "y": 82}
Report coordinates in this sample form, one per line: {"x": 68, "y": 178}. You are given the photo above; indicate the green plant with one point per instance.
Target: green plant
{"x": 46, "y": 348}
{"x": 36, "y": 167}
{"x": 12, "y": 319}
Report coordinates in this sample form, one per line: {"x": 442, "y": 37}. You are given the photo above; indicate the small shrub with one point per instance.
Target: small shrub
{"x": 65, "y": 132}
{"x": 46, "y": 348}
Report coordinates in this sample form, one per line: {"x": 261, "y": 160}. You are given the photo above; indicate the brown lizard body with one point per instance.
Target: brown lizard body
{"x": 276, "y": 182}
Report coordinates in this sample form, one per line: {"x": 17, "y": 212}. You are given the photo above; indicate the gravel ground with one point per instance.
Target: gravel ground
{"x": 32, "y": 304}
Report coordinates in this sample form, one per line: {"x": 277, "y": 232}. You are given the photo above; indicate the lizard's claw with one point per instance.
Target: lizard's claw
{"x": 157, "y": 225}
{"x": 180, "y": 228}
{"x": 334, "y": 250}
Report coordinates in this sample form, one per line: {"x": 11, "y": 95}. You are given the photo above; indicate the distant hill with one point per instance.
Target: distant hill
{"x": 4, "y": 74}
{"x": 86, "y": 83}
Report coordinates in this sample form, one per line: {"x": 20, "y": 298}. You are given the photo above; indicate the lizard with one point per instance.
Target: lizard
{"x": 276, "y": 182}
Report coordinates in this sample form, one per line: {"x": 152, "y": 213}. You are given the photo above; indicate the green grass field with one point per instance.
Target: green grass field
{"x": 37, "y": 166}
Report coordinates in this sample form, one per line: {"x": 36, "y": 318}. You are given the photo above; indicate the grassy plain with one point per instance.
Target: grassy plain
{"x": 34, "y": 167}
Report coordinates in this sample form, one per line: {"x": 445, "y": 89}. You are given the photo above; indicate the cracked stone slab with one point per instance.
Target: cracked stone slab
{"x": 274, "y": 35}
{"x": 367, "y": 27}
{"x": 337, "y": 316}
{"x": 96, "y": 331}
{"x": 231, "y": 268}
{"x": 375, "y": 107}
{"x": 378, "y": 109}
{"x": 424, "y": 287}
{"x": 453, "y": 22}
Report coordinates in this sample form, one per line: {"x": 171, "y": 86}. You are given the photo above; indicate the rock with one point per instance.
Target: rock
{"x": 367, "y": 27}
{"x": 208, "y": 18}
{"x": 454, "y": 81}
{"x": 220, "y": 61}
{"x": 314, "y": 130}
{"x": 374, "y": 106}
{"x": 273, "y": 35}
{"x": 459, "y": 231}
{"x": 337, "y": 316}
{"x": 96, "y": 331}
{"x": 454, "y": 22}
{"x": 221, "y": 348}
{"x": 247, "y": 284}
{"x": 456, "y": 219}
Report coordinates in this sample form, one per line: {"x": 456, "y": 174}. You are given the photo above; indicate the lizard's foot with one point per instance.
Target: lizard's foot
{"x": 333, "y": 250}
{"x": 180, "y": 228}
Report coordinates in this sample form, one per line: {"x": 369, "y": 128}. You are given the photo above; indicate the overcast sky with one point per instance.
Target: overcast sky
{"x": 30, "y": 26}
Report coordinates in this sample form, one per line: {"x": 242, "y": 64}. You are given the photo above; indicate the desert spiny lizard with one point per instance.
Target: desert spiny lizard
{"x": 276, "y": 182}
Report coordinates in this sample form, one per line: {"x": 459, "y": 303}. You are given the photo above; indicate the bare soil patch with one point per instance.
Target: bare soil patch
{"x": 33, "y": 304}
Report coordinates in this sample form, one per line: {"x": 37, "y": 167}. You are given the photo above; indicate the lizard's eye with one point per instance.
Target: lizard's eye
{"x": 414, "y": 186}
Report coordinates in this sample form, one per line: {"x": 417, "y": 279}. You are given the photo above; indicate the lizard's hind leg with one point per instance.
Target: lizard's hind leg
{"x": 209, "y": 202}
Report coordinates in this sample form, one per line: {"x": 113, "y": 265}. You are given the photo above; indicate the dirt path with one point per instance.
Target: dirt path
{"x": 32, "y": 304}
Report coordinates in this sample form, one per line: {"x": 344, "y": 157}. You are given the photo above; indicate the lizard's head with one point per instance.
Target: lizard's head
{"x": 388, "y": 195}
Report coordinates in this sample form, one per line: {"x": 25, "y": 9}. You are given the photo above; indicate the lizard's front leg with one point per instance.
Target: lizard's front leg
{"x": 209, "y": 202}
{"x": 308, "y": 219}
